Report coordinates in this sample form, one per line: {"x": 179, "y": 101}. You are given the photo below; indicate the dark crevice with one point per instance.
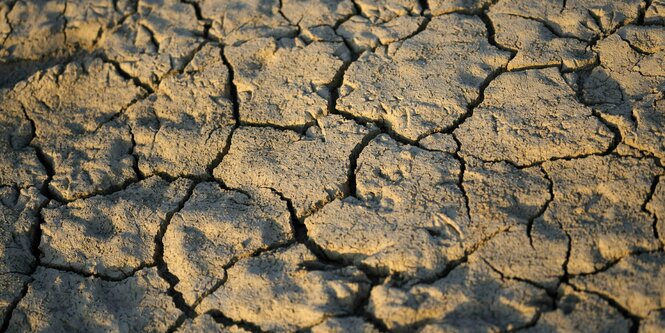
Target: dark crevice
{"x": 220, "y": 318}
{"x": 361, "y": 309}
{"x": 302, "y": 237}
{"x": 235, "y": 102}
{"x": 541, "y": 211}
{"x": 153, "y": 38}
{"x": 135, "y": 163}
{"x": 299, "y": 228}
{"x": 635, "y": 320}
{"x": 338, "y": 80}
{"x": 115, "y": 188}
{"x": 179, "y": 322}
{"x": 481, "y": 89}
{"x": 353, "y": 162}
{"x": 579, "y": 96}
{"x": 534, "y": 284}
{"x": 9, "y": 310}
{"x": 643, "y": 12}
{"x": 220, "y": 282}
{"x": 613, "y": 263}
{"x": 471, "y": 106}
{"x": 460, "y": 180}
{"x": 468, "y": 252}
{"x": 649, "y": 198}
{"x": 158, "y": 257}
{"x": 64, "y": 22}
{"x": 300, "y": 129}
{"x": 207, "y": 23}
{"x": 126, "y": 75}
{"x": 424, "y": 6}
{"x": 67, "y": 269}
{"x": 35, "y": 229}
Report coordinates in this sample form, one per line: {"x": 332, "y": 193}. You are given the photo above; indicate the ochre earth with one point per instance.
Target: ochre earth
{"x": 332, "y": 166}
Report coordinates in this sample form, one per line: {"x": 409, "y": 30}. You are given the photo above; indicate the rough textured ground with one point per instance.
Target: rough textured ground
{"x": 332, "y": 166}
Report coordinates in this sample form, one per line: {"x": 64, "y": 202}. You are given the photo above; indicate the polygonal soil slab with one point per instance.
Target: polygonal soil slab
{"x": 206, "y": 324}
{"x": 627, "y": 86}
{"x": 583, "y": 19}
{"x": 309, "y": 170}
{"x": 345, "y": 325}
{"x": 408, "y": 216}
{"x": 636, "y": 282}
{"x": 531, "y": 116}
{"x": 286, "y": 290}
{"x": 389, "y": 86}
{"x": 158, "y": 38}
{"x": 58, "y": 301}
{"x": 237, "y": 21}
{"x": 19, "y": 216}
{"x": 387, "y": 10}
{"x": 597, "y": 201}
{"x": 471, "y": 295}
{"x": 73, "y": 108}
{"x": 537, "y": 46}
{"x": 215, "y": 228}
{"x": 312, "y": 13}
{"x": 19, "y": 165}
{"x": 192, "y": 112}
{"x": 581, "y": 312}
{"x": 32, "y": 29}
{"x": 285, "y": 82}
{"x": 362, "y": 34}
{"x": 111, "y": 235}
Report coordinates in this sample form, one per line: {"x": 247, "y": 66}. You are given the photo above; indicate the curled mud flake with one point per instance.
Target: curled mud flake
{"x": 657, "y": 207}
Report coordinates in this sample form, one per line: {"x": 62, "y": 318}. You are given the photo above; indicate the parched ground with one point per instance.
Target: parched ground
{"x": 332, "y": 166}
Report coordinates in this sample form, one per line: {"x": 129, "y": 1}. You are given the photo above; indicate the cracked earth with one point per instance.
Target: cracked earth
{"x": 332, "y": 166}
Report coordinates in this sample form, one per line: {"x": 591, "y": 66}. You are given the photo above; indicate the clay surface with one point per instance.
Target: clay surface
{"x": 332, "y": 166}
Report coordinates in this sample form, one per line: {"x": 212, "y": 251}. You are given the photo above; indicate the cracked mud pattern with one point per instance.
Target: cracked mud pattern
{"x": 332, "y": 166}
